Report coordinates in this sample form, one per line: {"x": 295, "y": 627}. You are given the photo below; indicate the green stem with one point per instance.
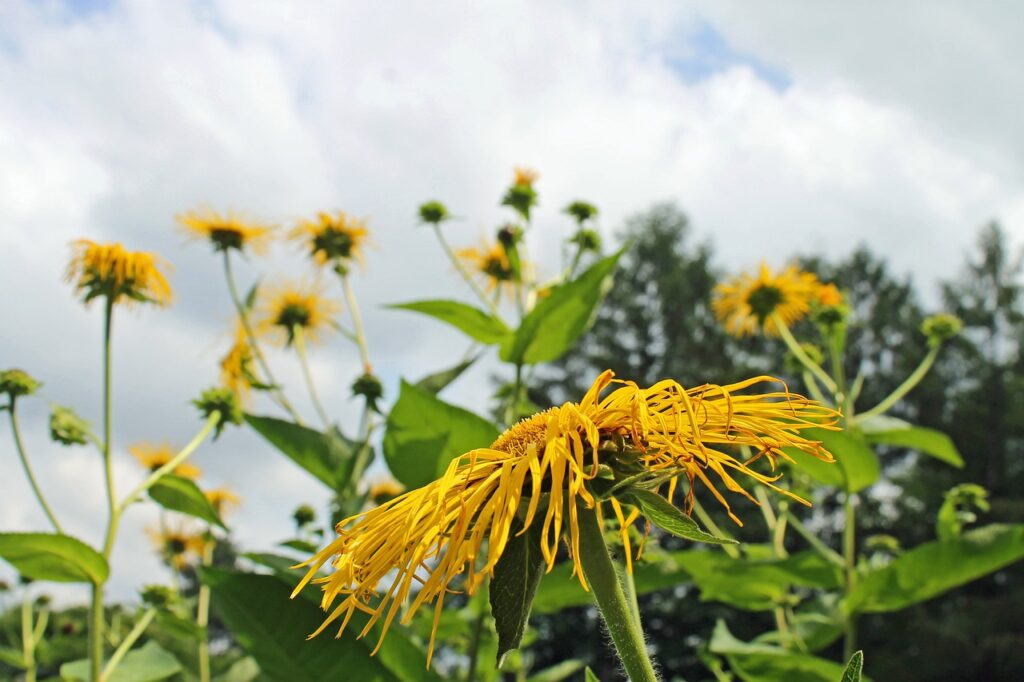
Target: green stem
{"x": 477, "y": 635}
{"x": 357, "y": 323}
{"x": 798, "y": 352}
{"x": 820, "y": 547}
{"x": 203, "y": 615}
{"x": 611, "y": 600}
{"x": 629, "y": 589}
{"x": 96, "y": 620}
{"x": 126, "y": 643}
{"x": 243, "y": 316}
{"x": 709, "y": 523}
{"x": 473, "y": 284}
{"x": 913, "y": 380}
{"x": 812, "y": 387}
{"x": 850, "y": 559}
{"x": 96, "y": 632}
{"x": 28, "y": 470}
{"x": 28, "y": 642}
{"x": 300, "y": 349}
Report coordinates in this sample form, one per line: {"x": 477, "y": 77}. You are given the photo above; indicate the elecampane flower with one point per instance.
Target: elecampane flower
{"x": 489, "y": 262}
{"x": 152, "y": 457}
{"x": 332, "y": 237}
{"x": 222, "y": 499}
{"x": 112, "y": 271}
{"x": 538, "y": 471}
{"x": 226, "y": 231}
{"x": 178, "y": 546}
{"x": 749, "y": 303}
{"x": 236, "y": 372}
{"x": 292, "y": 305}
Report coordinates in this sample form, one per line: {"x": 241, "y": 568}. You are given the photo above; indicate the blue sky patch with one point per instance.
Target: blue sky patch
{"x": 707, "y": 52}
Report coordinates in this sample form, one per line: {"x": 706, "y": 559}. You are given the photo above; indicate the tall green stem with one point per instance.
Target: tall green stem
{"x": 850, "y": 560}
{"x": 299, "y": 339}
{"x": 473, "y": 284}
{"x": 127, "y": 642}
{"x": 203, "y": 616}
{"x": 28, "y": 470}
{"x": 798, "y": 352}
{"x": 357, "y": 323}
{"x": 243, "y": 317}
{"x": 611, "y": 600}
{"x": 913, "y": 380}
{"x": 28, "y": 641}
{"x": 96, "y": 620}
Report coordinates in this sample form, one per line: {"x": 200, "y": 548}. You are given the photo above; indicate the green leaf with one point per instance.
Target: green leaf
{"x": 589, "y": 676}
{"x": 856, "y": 466}
{"x": 756, "y": 584}
{"x": 439, "y": 380}
{"x": 473, "y": 322}
{"x": 557, "y": 672}
{"x": 761, "y": 662}
{"x": 243, "y": 670}
{"x": 424, "y": 434}
{"x": 891, "y": 431}
{"x": 180, "y": 494}
{"x": 12, "y": 657}
{"x": 185, "y": 628}
{"x": 304, "y": 546}
{"x": 250, "y": 298}
{"x": 666, "y": 516}
{"x": 148, "y": 663}
{"x": 934, "y": 567}
{"x": 273, "y": 629}
{"x": 513, "y": 587}
{"x": 558, "y": 320}
{"x": 55, "y": 557}
{"x": 855, "y": 668}
{"x": 328, "y": 456}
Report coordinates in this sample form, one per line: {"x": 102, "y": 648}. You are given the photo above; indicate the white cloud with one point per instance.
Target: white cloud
{"x": 115, "y": 120}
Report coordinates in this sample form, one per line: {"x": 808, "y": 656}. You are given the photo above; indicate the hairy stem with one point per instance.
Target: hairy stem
{"x": 299, "y": 339}
{"x": 20, "y": 447}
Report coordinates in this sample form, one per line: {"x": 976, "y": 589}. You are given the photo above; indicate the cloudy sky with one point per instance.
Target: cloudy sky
{"x": 809, "y": 127}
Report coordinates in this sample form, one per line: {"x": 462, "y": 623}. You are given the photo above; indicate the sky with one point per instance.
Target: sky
{"x": 780, "y": 128}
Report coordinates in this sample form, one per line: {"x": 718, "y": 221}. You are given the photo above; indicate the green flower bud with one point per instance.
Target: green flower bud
{"x": 158, "y": 596}
{"x": 68, "y": 428}
{"x": 941, "y": 327}
{"x": 522, "y": 198}
{"x": 587, "y": 240}
{"x": 304, "y": 515}
{"x": 581, "y": 211}
{"x": 16, "y": 383}
{"x": 510, "y": 235}
{"x": 221, "y": 400}
{"x": 43, "y": 600}
{"x": 434, "y": 213}
{"x": 369, "y": 387}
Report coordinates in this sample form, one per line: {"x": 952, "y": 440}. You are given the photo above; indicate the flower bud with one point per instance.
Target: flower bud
{"x": 587, "y": 240}
{"x": 304, "y": 515}
{"x": 510, "y": 235}
{"x": 158, "y": 596}
{"x": 221, "y": 400}
{"x": 68, "y": 428}
{"x": 941, "y": 327}
{"x": 434, "y": 213}
{"x": 581, "y": 211}
{"x": 16, "y": 383}
{"x": 369, "y": 387}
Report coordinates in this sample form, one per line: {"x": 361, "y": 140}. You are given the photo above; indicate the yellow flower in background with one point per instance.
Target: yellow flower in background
{"x": 236, "y": 372}
{"x": 178, "y": 546}
{"x": 152, "y": 457}
{"x": 332, "y": 237}
{"x": 490, "y": 263}
{"x": 384, "y": 490}
{"x": 227, "y": 231}
{"x": 296, "y": 304}
{"x": 828, "y": 295}
{"x": 222, "y": 499}
{"x": 747, "y": 303}
{"x": 456, "y": 528}
{"x": 112, "y": 271}
{"x": 525, "y": 177}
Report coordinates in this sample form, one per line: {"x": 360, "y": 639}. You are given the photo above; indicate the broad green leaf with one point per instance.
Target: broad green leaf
{"x": 243, "y": 670}
{"x": 438, "y": 380}
{"x": 854, "y": 668}
{"x": 475, "y": 323}
{"x": 558, "y": 320}
{"x": 856, "y": 466}
{"x": 762, "y": 662}
{"x": 328, "y": 456}
{"x": 897, "y": 432}
{"x": 513, "y": 587}
{"x": 930, "y": 569}
{"x": 179, "y": 494}
{"x": 55, "y": 557}
{"x": 666, "y": 516}
{"x": 424, "y": 434}
{"x": 148, "y": 663}
{"x": 273, "y": 629}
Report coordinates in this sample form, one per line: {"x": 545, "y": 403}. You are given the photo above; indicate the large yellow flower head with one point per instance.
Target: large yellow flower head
{"x": 112, "y": 271}
{"x": 301, "y": 305}
{"x": 227, "y": 231}
{"x": 538, "y": 472}
{"x": 152, "y": 457}
{"x": 748, "y": 302}
{"x": 332, "y": 238}
{"x": 490, "y": 263}
{"x": 236, "y": 373}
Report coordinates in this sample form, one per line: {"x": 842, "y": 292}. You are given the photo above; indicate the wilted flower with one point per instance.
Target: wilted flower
{"x": 292, "y": 305}
{"x": 152, "y": 457}
{"x": 748, "y": 303}
{"x": 538, "y": 471}
{"x": 941, "y": 327}
{"x": 228, "y": 231}
{"x": 111, "y": 271}
{"x": 434, "y": 212}
{"x": 16, "y": 383}
{"x": 332, "y": 238}
{"x": 68, "y": 428}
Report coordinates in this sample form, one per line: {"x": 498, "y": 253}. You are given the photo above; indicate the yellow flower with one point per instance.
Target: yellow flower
{"x": 384, "y": 490}
{"x": 291, "y": 305}
{"x": 222, "y": 499}
{"x": 236, "y": 366}
{"x": 153, "y": 457}
{"x": 332, "y": 237}
{"x": 112, "y": 271}
{"x": 828, "y": 295}
{"x": 525, "y": 177}
{"x": 747, "y": 303}
{"x": 491, "y": 264}
{"x": 456, "y": 528}
{"x": 177, "y": 546}
{"x": 228, "y": 231}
